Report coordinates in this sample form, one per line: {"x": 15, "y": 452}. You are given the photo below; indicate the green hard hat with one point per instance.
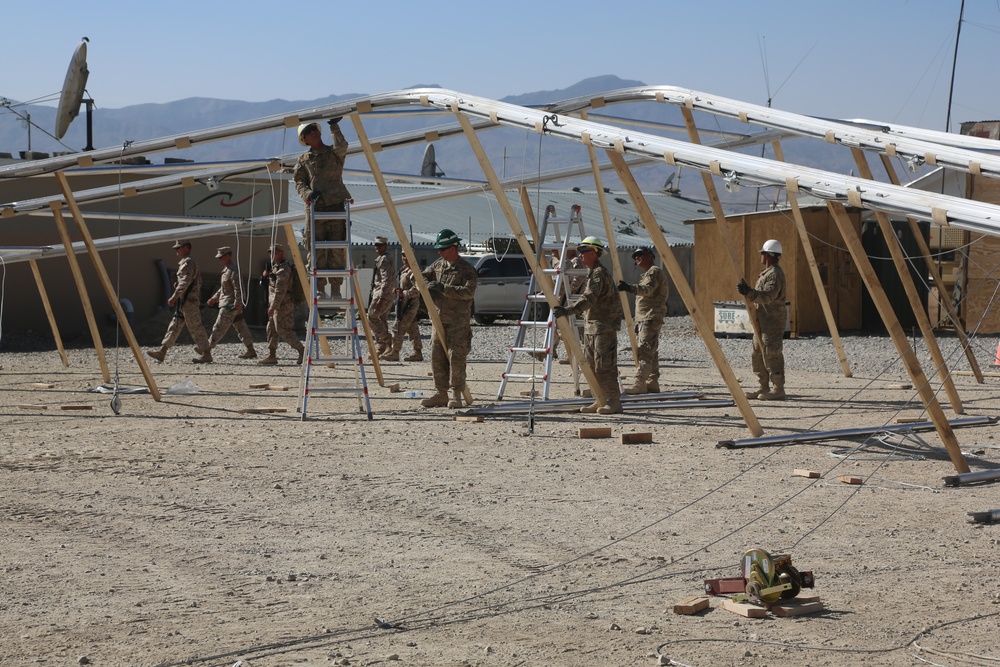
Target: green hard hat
{"x": 445, "y": 239}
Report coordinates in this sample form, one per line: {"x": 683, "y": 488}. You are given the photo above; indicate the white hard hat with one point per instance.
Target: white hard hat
{"x": 302, "y": 128}
{"x": 771, "y": 246}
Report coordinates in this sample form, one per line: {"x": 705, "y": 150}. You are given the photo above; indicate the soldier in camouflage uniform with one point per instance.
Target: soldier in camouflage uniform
{"x": 381, "y": 299}
{"x": 186, "y": 302}
{"x": 407, "y": 309}
{"x": 576, "y": 285}
{"x": 603, "y": 319}
{"x": 280, "y": 307}
{"x": 651, "y": 294}
{"x": 452, "y": 283}
{"x": 230, "y": 301}
{"x": 768, "y": 295}
{"x": 319, "y": 180}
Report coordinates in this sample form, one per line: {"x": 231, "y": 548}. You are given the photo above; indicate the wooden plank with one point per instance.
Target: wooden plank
{"x": 985, "y": 375}
{"x": 636, "y": 438}
{"x": 899, "y": 386}
{"x": 691, "y": 605}
{"x": 394, "y": 388}
{"x": 795, "y": 608}
{"x": 743, "y": 609}
{"x": 276, "y": 387}
{"x": 257, "y": 411}
{"x": 31, "y": 406}
{"x": 910, "y": 420}
{"x": 470, "y": 419}
{"x": 802, "y": 598}
{"x": 595, "y": 432}
{"x": 802, "y": 472}
{"x": 259, "y": 385}
{"x": 42, "y": 385}
{"x": 76, "y": 407}
{"x": 847, "y": 479}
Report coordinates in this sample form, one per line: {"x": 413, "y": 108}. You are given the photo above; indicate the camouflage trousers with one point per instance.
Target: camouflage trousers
{"x": 188, "y": 315}
{"x": 600, "y": 352}
{"x": 378, "y": 318}
{"x": 329, "y": 230}
{"x": 281, "y": 325}
{"x": 768, "y": 360}
{"x": 231, "y": 318}
{"x": 647, "y": 336}
{"x": 448, "y": 367}
{"x": 406, "y": 325}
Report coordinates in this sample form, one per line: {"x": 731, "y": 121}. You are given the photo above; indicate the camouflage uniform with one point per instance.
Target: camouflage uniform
{"x": 406, "y": 314}
{"x": 651, "y": 294}
{"x": 279, "y": 297}
{"x": 768, "y": 295}
{"x": 576, "y": 286}
{"x": 323, "y": 171}
{"x": 383, "y": 283}
{"x": 454, "y": 307}
{"x": 603, "y": 319}
{"x": 228, "y": 295}
{"x": 187, "y": 308}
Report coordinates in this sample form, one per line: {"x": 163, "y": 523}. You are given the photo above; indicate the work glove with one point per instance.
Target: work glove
{"x": 314, "y": 196}
{"x": 333, "y": 122}
{"x": 435, "y": 287}
{"x": 743, "y": 288}
{"x": 625, "y": 287}
{"x": 560, "y": 311}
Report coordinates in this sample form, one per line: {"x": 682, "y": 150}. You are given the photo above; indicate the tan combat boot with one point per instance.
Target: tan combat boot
{"x": 776, "y": 394}
{"x": 590, "y": 408}
{"x": 457, "y": 400}
{"x": 652, "y": 387}
{"x": 390, "y": 355}
{"x": 205, "y": 358}
{"x": 271, "y": 359}
{"x": 416, "y": 356}
{"x": 302, "y": 355}
{"x": 159, "y": 354}
{"x": 248, "y": 353}
{"x": 610, "y": 409}
{"x": 438, "y": 400}
{"x": 639, "y": 387}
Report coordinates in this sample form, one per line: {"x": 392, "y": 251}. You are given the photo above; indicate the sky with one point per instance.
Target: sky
{"x": 886, "y": 60}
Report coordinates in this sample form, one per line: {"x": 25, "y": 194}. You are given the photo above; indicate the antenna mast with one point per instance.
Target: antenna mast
{"x": 954, "y": 61}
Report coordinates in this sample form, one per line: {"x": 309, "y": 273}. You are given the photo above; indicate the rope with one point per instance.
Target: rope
{"x": 116, "y": 401}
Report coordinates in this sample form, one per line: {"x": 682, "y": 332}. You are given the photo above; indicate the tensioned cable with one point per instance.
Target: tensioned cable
{"x": 116, "y": 401}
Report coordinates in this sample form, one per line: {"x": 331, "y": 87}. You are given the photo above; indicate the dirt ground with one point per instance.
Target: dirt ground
{"x": 183, "y": 532}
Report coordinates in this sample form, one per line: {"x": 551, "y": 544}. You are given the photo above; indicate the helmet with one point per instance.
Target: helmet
{"x": 445, "y": 239}
{"x": 591, "y": 242}
{"x": 642, "y": 250}
{"x": 302, "y": 129}
{"x": 771, "y": 246}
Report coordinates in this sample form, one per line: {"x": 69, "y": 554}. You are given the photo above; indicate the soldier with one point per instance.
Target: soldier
{"x": 768, "y": 295}
{"x": 280, "y": 307}
{"x": 230, "y": 302}
{"x": 651, "y": 294}
{"x": 452, "y": 283}
{"x": 407, "y": 309}
{"x": 319, "y": 180}
{"x": 381, "y": 298}
{"x": 603, "y": 319}
{"x": 186, "y": 302}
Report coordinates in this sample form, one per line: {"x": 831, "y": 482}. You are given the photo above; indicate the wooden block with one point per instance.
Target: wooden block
{"x": 801, "y": 598}
{"x": 691, "y": 605}
{"x": 794, "y": 608}
{"x": 636, "y": 438}
{"x": 743, "y": 609}
{"x": 30, "y": 406}
{"x": 985, "y": 375}
{"x": 394, "y": 388}
{"x": 257, "y": 411}
{"x": 596, "y": 432}
{"x": 331, "y": 364}
{"x": 899, "y": 386}
{"x": 471, "y": 419}
{"x": 586, "y": 393}
{"x": 42, "y": 385}
{"x": 276, "y": 387}
{"x": 259, "y": 385}
{"x": 802, "y": 472}
{"x": 847, "y": 479}
{"x": 911, "y": 420}
{"x": 76, "y": 407}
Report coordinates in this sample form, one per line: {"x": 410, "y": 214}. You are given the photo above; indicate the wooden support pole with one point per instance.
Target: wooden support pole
{"x": 910, "y": 362}
{"x": 943, "y": 297}
{"x": 366, "y": 326}
{"x": 807, "y": 249}
{"x": 88, "y": 310}
{"x": 684, "y": 290}
{"x": 48, "y": 311}
{"x": 903, "y": 269}
{"x": 109, "y": 289}
{"x": 295, "y": 254}
{"x": 542, "y": 279}
{"x": 616, "y": 264}
{"x": 404, "y": 241}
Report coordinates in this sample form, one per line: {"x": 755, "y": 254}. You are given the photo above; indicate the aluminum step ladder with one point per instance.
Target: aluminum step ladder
{"x": 343, "y": 339}
{"x": 535, "y": 302}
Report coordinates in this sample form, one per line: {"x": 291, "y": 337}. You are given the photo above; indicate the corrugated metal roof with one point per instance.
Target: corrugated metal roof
{"x": 478, "y": 217}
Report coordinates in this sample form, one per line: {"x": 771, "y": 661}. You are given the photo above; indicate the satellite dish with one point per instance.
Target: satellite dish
{"x": 72, "y": 90}
{"x": 427, "y": 167}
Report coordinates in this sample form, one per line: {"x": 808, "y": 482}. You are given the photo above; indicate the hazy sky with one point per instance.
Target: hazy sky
{"x": 887, "y": 60}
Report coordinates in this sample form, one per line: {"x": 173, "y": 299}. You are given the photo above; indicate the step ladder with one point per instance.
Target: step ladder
{"x": 535, "y": 302}
{"x": 343, "y": 340}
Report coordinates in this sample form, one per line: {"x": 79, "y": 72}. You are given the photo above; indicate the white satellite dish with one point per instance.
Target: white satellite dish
{"x": 429, "y": 166}
{"x": 72, "y": 91}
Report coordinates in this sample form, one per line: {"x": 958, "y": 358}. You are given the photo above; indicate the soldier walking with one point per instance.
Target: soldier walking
{"x": 768, "y": 295}
{"x": 407, "y": 309}
{"x": 229, "y": 298}
{"x": 186, "y": 302}
{"x": 381, "y": 298}
{"x": 280, "y": 307}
